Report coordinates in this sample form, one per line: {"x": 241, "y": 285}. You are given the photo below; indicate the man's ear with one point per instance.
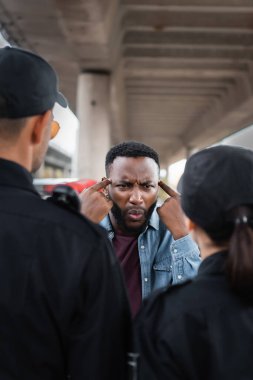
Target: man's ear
{"x": 39, "y": 126}
{"x": 190, "y": 225}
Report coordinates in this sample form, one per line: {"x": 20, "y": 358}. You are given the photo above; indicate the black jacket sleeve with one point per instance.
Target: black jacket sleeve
{"x": 99, "y": 335}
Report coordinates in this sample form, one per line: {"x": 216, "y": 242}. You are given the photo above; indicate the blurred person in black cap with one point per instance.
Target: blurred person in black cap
{"x": 203, "y": 329}
{"x": 63, "y": 307}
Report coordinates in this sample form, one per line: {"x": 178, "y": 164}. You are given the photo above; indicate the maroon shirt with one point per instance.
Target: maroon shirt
{"x": 126, "y": 248}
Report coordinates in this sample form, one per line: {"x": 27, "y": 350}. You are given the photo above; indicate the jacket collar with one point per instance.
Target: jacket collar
{"x": 15, "y": 175}
{"x": 154, "y": 220}
{"x": 214, "y": 264}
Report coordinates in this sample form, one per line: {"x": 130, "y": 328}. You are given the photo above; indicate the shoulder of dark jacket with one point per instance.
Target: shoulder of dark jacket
{"x": 160, "y": 296}
{"x": 72, "y": 219}
{"x": 30, "y": 205}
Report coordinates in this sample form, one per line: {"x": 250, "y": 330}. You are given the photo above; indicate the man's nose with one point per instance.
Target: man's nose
{"x": 136, "y": 196}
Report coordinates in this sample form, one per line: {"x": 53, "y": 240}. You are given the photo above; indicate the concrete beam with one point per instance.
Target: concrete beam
{"x": 225, "y": 116}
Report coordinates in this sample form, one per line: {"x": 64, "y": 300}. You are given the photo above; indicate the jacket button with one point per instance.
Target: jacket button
{"x": 146, "y": 279}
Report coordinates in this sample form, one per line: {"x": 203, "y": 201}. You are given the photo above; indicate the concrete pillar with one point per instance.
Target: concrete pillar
{"x": 118, "y": 105}
{"x": 93, "y": 112}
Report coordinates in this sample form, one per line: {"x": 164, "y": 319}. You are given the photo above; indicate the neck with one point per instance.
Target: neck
{"x": 209, "y": 251}
{"x": 206, "y": 245}
{"x": 17, "y": 149}
{"x": 17, "y": 155}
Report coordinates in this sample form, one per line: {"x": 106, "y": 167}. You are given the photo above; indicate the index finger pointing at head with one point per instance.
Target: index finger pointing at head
{"x": 101, "y": 185}
{"x": 168, "y": 190}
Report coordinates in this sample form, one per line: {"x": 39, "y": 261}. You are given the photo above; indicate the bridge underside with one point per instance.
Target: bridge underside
{"x": 180, "y": 76}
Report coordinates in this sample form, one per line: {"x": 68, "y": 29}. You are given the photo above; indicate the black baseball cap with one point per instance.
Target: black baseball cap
{"x": 215, "y": 181}
{"x": 28, "y": 84}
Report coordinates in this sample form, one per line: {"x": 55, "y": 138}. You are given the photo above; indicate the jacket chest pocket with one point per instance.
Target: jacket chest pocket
{"x": 162, "y": 271}
{"x": 164, "y": 264}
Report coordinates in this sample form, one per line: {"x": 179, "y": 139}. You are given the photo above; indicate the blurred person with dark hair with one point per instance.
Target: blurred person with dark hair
{"x": 203, "y": 329}
{"x": 152, "y": 243}
{"x": 63, "y": 308}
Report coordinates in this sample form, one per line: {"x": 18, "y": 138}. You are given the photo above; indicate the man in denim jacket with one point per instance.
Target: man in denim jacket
{"x": 151, "y": 243}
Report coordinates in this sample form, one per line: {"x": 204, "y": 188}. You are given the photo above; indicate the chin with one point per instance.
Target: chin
{"x": 135, "y": 228}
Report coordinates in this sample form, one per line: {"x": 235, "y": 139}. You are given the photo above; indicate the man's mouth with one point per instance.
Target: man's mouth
{"x": 135, "y": 214}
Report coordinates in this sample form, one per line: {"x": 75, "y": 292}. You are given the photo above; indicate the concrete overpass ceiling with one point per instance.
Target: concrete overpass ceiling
{"x": 181, "y": 71}
{"x": 188, "y": 71}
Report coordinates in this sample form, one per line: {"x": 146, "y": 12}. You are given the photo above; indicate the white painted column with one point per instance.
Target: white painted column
{"x": 94, "y": 114}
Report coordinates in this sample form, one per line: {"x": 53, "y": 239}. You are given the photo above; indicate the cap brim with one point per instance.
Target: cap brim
{"x": 61, "y": 100}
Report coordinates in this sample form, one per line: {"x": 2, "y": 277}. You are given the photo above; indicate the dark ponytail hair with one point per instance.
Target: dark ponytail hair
{"x": 238, "y": 233}
{"x": 240, "y": 254}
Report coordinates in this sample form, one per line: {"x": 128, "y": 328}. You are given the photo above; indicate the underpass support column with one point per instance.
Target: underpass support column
{"x": 94, "y": 114}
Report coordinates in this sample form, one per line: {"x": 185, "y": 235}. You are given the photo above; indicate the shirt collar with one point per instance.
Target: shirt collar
{"x": 154, "y": 220}
{"x": 106, "y": 223}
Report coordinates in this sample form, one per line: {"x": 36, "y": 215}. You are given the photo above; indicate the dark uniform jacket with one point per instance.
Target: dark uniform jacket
{"x": 197, "y": 331}
{"x": 63, "y": 307}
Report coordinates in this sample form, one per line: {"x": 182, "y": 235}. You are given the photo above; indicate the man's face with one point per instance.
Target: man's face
{"x": 133, "y": 190}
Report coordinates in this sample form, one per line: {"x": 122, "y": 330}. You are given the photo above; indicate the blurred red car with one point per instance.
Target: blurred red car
{"x": 45, "y": 186}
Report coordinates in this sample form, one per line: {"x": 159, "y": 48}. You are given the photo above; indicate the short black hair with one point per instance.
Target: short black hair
{"x": 130, "y": 149}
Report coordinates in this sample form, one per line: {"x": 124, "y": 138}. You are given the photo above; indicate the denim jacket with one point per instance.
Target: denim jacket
{"x": 163, "y": 260}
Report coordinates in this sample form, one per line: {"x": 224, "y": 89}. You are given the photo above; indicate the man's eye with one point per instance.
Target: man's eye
{"x": 122, "y": 186}
{"x": 147, "y": 186}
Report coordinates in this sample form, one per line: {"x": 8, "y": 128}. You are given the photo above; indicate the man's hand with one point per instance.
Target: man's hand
{"x": 95, "y": 205}
{"x": 172, "y": 214}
